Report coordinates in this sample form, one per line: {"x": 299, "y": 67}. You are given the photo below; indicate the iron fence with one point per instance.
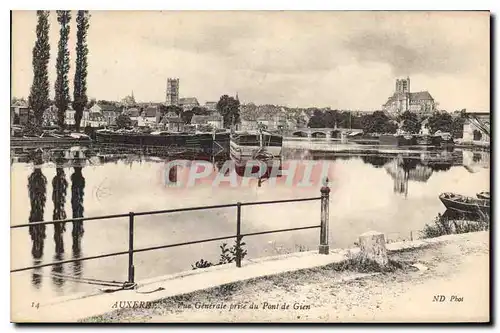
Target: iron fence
{"x": 323, "y": 237}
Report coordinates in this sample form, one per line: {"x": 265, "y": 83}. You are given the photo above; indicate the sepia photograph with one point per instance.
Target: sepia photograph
{"x": 250, "y": 166}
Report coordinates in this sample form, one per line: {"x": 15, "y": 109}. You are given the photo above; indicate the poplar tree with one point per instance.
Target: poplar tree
{"x": 62, "y": 67}
{"x": 39, "y": 93}
{"x": 80, "y": 83}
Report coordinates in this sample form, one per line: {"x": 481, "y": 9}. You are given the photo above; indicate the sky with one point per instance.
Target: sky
{"x": 342, "y": 60}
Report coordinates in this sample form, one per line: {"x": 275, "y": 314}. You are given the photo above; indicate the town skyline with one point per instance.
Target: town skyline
{"x": 228, "y": 52}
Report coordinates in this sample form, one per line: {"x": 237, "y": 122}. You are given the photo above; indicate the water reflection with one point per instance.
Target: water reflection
{"x": 397, "y": 169}
{"x": 402, "y": 170}
{"x": 59, "y": 187}
{"x": 375, "y": 160}
{"x": 77, "y": 194}
{"x": 37, "y": 190}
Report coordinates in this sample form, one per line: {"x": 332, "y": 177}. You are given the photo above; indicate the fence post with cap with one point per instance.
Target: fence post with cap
{"x": 324, "y": 248}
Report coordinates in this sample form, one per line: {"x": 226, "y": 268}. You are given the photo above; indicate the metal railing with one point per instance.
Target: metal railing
{"x": 323, "y": 237}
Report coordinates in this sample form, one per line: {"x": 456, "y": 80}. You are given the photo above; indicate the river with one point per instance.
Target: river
{"x": 392, "y": 191}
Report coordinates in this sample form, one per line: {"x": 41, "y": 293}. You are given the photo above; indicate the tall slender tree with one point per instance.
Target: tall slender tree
{"x": 80, "y": 83}
{"x": 39, "y": 93}
{"x": 62, "y": 66}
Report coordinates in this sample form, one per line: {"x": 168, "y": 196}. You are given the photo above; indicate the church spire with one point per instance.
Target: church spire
{"x": 237, "y": 97}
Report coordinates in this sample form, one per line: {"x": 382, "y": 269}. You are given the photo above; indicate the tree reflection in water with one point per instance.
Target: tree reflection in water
{"x": 37, "y": 190}
{"x": 77, "y": 193}
{"x": 59, "y": 187}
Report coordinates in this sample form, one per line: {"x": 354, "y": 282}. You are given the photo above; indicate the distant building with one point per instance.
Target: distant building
{"x": 108, "y": 111}
{"x": 133, "y": 113}
{"x": 50, "y": 116}
{"x": 93, "y": 119}
{"x": 148, "y": 117}
{"x": 173, "y": 124}
{"x": 128, "y": 101}
{"x": 172, "y": 92}
{"x": 424, "y": 127}
{"x": 404, "y": 100}
{"x": 249, "y": 125}
{"x": 211, "y": 106}
{"x": 188, "y": 103}
{"x": 215, "y": 120}
{"x": 69, "y": 116}
{"x": 20, "y": 114}
{"x": 472, "y": 126}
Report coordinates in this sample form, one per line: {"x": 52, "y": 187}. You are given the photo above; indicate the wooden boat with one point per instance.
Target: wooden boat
{"x": 255, "y": 145}
{"x": 465, "y": 204}
{"x": 483, "y": 195}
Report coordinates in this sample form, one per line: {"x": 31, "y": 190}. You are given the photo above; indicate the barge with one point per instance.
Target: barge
{"x": 211, "y": 143}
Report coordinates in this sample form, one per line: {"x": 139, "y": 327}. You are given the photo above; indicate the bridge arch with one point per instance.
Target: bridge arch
{"x": 318, "y": 134}
{"x": 300, "y": 134}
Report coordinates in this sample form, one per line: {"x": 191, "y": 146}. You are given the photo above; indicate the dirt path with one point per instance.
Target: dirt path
{"x": 459, "y": 268}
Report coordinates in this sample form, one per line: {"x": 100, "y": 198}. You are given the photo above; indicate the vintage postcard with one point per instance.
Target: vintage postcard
{"x": 250, "y": 166}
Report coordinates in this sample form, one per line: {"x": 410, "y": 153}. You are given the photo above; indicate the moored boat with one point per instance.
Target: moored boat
{"x": 194, "y": 142}
{"x": 483, "y": 195}
{"x": 256, "y": 145}
{"x": 465, "y": 204}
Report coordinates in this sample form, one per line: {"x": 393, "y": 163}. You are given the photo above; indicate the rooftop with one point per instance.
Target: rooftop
{"x": 150, "y": 111}
{"x": 188, "y": 100}
{"x": 107, "y": 107}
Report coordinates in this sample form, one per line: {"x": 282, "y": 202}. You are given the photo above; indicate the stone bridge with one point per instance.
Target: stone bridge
{"x": 322, "y": 133}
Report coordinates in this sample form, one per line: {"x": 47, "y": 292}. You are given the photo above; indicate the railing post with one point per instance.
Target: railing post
{"x": 131, "y": 248}
{"x": 324, "y": 248}
{"x": 238, "y": 233}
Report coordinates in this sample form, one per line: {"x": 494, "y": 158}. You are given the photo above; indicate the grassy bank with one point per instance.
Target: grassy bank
{"x": 340, "y": 293}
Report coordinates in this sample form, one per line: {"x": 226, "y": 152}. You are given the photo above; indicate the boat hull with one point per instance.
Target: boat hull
{"x": 483, "y": 195}
{"x": 472, "y": 205}
{"x": 205, "y": 142}
{"x": 242, "y": 153}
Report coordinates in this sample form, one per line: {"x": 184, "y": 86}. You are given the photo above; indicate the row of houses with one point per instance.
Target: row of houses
{"x": 101, "y": 115}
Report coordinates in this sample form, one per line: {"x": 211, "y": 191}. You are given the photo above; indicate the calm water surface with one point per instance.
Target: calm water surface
{"x": 392, "y": 193}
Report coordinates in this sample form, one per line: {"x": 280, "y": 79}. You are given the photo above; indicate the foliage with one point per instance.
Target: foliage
{"x": 80, "y": 81}
{"x": 317, "y": 120}
{"x": 123, "y": 121}
{"x": 345, "y": 119}
{"x": 173, "y": 108}
{"x": 229, "y": 108}
{"x": 445, "y": 226}
{"x": 358, "y": 263}
{"x": 186, "y": 116}
{"x": 39, "y": 93}
{"x": 62, "y": 67}
{"x": 378, "y": 122}
{"x": 411, "y": 123}
{"x": 200, "y": 111}
{"x": 457, "y": 127}
{"x": 227, "y": 256}
{"x": 440, "y": 121}
{"x": 105, "y": 102}
{"x": 202, "y": 264}
{"x": 91, "y": 103}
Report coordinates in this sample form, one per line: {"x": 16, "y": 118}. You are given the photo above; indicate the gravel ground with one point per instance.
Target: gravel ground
{"x": 458, "y": 270}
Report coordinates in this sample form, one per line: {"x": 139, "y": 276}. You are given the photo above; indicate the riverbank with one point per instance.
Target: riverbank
{"x": 455, "y": 266}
